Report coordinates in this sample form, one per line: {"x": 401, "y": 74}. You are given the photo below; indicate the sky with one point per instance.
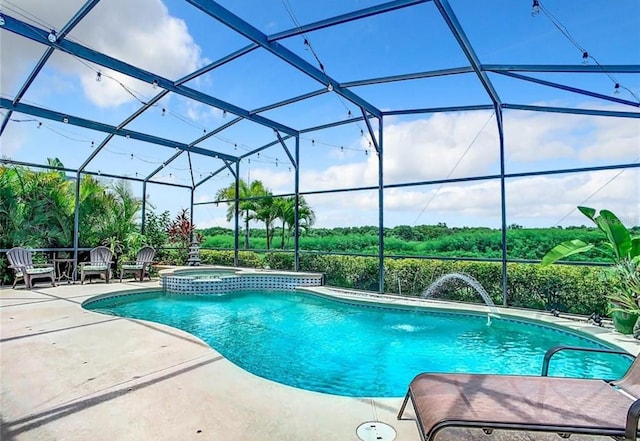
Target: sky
{"x": 172, "y": 38}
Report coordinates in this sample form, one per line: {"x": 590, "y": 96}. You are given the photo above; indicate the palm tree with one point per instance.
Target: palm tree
{"x": 266, "y": 212}
{"x": 248, "y": 206}
{"x": 12, "y": 210}
{"x": 286, "y": 213}
{"x": 122, "y": 213}
{"x": 39, "y": 207}
{"x": 93, "y": 212}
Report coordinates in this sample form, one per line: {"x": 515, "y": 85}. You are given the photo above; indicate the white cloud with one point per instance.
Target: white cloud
{"x": 614, "y": 139}
{"x": 12, "y": 138}
{"x": 152, "y": 40}
{"x": 535, "y": 136}
{"x": 531, "y": 201}
{"x": 443, "y": 145}
{"x": 413, "y": 148}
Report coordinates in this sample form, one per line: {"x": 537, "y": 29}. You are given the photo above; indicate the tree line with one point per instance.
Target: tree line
{"x": 427, "y": 240}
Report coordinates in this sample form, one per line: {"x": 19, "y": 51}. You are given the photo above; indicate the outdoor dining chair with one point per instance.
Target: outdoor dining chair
{"x": 99, "y": 263}
{"x": 141, "y": 266}
{"x": 21, "y": 262}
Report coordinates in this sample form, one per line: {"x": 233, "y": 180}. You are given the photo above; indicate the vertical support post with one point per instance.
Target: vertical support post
{"x": 296, "y": 222}
{"x": 236, "y": 216}
{"x": 144, "y": 205}
{"x": 503, "y": 202}
{"x": 380, "y": 208}
{"x": 191, "y": 235}
{"x": 76, "y": 224}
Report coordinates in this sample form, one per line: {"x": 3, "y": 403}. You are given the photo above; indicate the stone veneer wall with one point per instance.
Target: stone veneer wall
{"x": 225, "y": 284}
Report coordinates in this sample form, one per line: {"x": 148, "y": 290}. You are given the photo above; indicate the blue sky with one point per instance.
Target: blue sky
{"x": 172, "y": 39}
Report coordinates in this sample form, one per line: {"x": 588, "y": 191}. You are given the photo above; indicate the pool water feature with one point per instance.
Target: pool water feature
{"x": 332, "y": 346}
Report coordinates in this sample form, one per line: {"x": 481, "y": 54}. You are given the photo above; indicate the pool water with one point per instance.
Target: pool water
{"x": 329, "y": 346}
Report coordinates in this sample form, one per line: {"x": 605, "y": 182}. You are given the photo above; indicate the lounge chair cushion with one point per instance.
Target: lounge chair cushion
{"x": 132, "y": 266}
{"x": 44, "y": 270}
{"x": 35, "y": 271}
{"x": 443, "y": 399}
{"x": 99, "y": 267}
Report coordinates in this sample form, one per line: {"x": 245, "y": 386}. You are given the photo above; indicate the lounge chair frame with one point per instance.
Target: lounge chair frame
{"x": 627, "y": 433}
{"x": 99, "y": 263}
{"x": 141, "y": 265}
{"x": 21, "y": 262}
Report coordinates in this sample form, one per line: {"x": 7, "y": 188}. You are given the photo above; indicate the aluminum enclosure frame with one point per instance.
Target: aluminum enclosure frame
{"x": 283, "y": 133}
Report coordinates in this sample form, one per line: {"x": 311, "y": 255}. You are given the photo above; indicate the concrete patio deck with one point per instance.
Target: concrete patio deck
{"x": 72, "y": 374}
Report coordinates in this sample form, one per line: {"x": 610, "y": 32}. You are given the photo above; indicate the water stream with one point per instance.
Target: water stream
{"x": 473, "y": 283}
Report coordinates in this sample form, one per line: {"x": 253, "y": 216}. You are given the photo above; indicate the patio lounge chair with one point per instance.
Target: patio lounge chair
{"x": 99, "y": 263}
{"x": 21, "y": 262}
{"x": 529, "y": 403}
{"x": 140, "y": 267}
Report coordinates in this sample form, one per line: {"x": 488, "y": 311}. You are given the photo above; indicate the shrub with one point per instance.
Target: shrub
{"x": 574, "y": 289}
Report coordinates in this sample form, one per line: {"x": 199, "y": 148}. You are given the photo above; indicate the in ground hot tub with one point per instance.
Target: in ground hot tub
{"x": 217, "y": 280}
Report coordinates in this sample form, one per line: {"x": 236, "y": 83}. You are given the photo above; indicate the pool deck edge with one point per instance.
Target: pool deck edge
{"x": 73, "y": 374}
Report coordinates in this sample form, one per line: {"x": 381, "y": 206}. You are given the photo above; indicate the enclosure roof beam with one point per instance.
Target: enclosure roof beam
{"x": 290, "y": 101}
{"x": 566, "y": 68}
{"x": 211, "y": 175}
{"x": 222, "y": 61}
{"x": 105, "y": 128}
{"x": 456, "y": 29}
{"x": 286, "y": 149}
{"x": 345, "y": 18}
{"x": 592, "y": 112}
{"x": 439, "y": 109}
{"x": 163, "y": 165}
{"x": 334, "y": 124}
{"x": 570, "y": 89}
{"x": 234, "y": 22}
{"x": 411, "y": 76}
{"x": 264, "y": 147}
{"x": 82, "y": 12}
{"x": 227, "y": 165}
{"x": 41, "y": 36}
{"x": 389, "y": 79}
{"x": 370, "y": 130}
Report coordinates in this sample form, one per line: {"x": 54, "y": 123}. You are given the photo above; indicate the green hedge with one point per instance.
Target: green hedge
{"x": 575, "y": 289}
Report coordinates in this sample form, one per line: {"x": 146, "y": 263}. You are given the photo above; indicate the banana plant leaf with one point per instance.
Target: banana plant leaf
{"x": 565, "y": 249}
{"x": 616, "y": 232}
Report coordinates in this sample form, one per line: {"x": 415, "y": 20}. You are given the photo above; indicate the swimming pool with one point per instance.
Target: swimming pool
{"x": 331, "y": 346}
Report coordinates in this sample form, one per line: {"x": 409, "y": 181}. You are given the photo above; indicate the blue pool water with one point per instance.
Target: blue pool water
{"x": 334, "y": 347}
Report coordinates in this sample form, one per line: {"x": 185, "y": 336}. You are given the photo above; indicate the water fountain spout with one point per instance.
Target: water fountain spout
{"x": 473, "y": 283}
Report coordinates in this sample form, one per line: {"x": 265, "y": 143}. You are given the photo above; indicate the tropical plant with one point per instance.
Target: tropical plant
{"x": 156, "y": 229}
{"x": 37, "y": 208}
{"x": 285, "y": 211}
{"x": 249, "y": 202}
{"x": 121, "y": 217}
{"x": 267, "y": 212}
{"x": 625, "y": 278}
{"x": 93, "y": 211}
{"x": 621, "y": 244}
{"x": 622, "y": 249}
{"x": 181, "y": 232}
